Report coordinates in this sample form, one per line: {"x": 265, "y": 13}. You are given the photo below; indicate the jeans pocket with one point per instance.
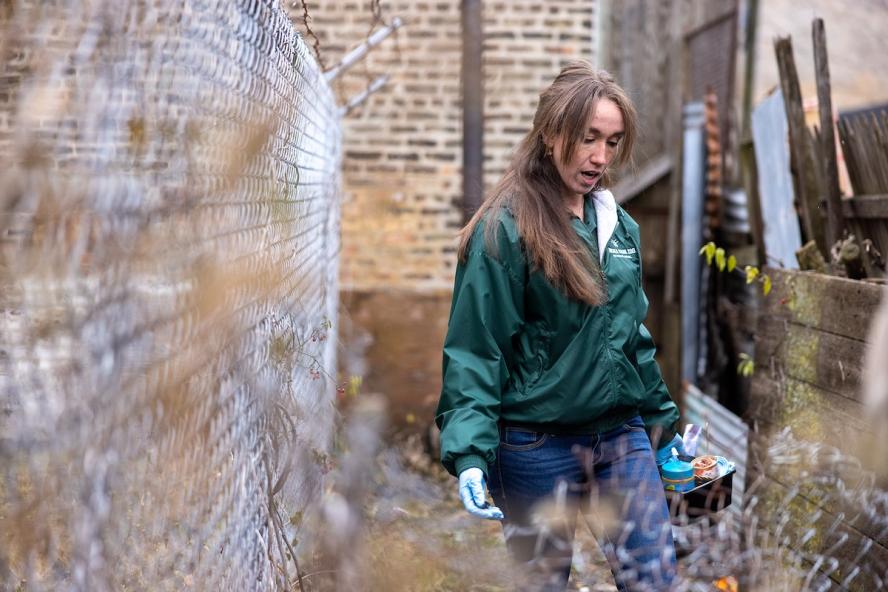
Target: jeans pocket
{"x": 517, "y": 439}
{"x": 634, "y": 425}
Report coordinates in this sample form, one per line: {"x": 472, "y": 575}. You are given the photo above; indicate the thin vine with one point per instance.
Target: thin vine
{"x": 716, "y": 256}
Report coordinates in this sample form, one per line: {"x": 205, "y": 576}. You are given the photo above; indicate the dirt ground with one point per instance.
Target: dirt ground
{"x": 422, "y": 539}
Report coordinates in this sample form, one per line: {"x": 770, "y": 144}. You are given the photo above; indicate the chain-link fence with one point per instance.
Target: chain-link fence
{"x": 169, "y": 220}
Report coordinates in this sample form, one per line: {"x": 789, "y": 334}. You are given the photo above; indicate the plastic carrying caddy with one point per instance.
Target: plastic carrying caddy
{"x": 704, "y": 498}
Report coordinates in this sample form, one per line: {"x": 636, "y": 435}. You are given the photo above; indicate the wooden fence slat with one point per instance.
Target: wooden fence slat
{"x": 806, "y": 184}
{"x": 864, "y": 143}
{"x": 827, "y": 140}
{"x": 864, "y": 140}
{"x": 825, "y": 360}
{"x": 832, "y": 304}
{"x": 835, "y": 503}
{"x": 812, "y": 413}
{"x": 879, "y": 152}
{"x": 866, "y": 206}
{"x": 830, "y": 537}
{"x": 846, "y": 140}
{"x": 810, "y": 345}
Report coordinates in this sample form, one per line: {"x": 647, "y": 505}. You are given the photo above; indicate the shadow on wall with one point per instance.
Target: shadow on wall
{"x": 393, "y": 339}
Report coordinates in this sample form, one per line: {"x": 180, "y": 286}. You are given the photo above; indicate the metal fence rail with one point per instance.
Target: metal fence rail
{"x": 169, "y": 232}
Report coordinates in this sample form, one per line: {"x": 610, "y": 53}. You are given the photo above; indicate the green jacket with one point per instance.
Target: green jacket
{"x": 519, "y": 350}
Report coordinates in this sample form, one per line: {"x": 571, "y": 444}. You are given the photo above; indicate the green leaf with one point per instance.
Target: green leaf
{"x": 709, "y": 250}
{"x": 732, "y": 263}
{"x": 751, "y": 273}
{"x": 766, "y": 285}
{"x": 720, "y": 258}
{"x": 746, "y": 367}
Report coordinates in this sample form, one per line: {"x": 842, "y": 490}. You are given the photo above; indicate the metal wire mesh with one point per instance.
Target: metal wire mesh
{"x": 169, "y": 224}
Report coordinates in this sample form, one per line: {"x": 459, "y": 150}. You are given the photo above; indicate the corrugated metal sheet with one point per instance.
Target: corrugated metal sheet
{"x": 769, "y": 131}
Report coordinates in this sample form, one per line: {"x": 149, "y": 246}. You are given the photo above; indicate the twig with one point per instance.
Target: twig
{"x": 318, "y": 573}
{"x": 275, "y": 530}
{"x": 292, "y": 551}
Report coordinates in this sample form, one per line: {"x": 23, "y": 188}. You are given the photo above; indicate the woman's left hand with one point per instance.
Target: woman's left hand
{"x": 665, "y": 453}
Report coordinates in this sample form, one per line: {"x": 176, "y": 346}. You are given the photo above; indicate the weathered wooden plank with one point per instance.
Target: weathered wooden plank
{"x": 849, "y": 505}
{"x": 848, "y": 142}
{"x": 835, "y": 222}
{"x": 828, "y": 361}
{"x": 749, "y": 170}
{"x": 800, "y": 144}
{"x": 864, "y": 138}
{"x": 866, "y": 206}
{"x": 835, "y": 305}
{"x": 879, "y": 147}
{"x": 814, "y": 531}
{"x": 812, "y": 414}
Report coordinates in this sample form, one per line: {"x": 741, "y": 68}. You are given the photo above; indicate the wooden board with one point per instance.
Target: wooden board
{"x": 837, "y": 305}
{"x": 824, "y": 360}
{"x": 806, "y": 527}
{"x": 855, "y": 504}
{"x": 810, "y": 344}
{"x": 812, "y": 414}
{"x": 866, "y": 206}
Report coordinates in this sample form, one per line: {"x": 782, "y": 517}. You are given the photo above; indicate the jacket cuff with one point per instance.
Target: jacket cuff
{"x": 469, "y": 461}
{"x": 664, "y": 442}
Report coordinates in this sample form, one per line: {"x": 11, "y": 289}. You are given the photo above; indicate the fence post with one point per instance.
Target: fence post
{"x": 806, "y": 187}
{"x": 835, "y": 228}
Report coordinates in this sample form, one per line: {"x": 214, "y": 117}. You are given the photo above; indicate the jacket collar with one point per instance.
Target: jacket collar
{"x": 591, "y": 218}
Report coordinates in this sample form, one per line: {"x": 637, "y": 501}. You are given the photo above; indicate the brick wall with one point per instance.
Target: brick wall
{"x": 526, "y": 43}
{"x": 403, "y": 148}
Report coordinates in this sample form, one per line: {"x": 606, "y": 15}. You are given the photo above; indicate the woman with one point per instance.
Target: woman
{"x": 546, "y": 355}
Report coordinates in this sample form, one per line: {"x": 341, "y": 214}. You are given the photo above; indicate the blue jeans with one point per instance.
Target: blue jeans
{"x": 541, "y": 480}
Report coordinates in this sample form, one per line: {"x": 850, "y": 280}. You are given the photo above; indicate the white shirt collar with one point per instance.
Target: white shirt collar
{"x": 606, "y": 214}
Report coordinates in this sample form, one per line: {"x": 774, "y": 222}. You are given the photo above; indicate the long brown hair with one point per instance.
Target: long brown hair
{"x": 531, "y": 186}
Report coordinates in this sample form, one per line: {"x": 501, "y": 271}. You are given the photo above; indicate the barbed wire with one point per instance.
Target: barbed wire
{"x": 306, "y": 17}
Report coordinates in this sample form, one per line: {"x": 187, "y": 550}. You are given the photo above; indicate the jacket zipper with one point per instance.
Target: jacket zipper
{"x": 608, "y": 318}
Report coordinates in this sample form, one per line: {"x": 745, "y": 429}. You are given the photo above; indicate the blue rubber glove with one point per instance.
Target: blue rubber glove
{"x": 665, "y": 453}
{"x": 473, "y": 496}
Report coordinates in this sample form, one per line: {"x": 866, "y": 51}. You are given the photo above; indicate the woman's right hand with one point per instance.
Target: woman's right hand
{"x": 472, "y": 492}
